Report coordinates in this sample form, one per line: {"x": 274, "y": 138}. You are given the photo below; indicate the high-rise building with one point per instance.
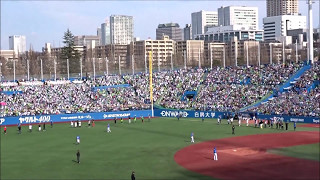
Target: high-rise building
{"x": 202, "y": 19}
{"x": 18, "y": 43}
{"x": 99, "y": 34}
{"x": 187, "y": 32}
{"x": 193, "y": 49}
{"x": 277, "y": 26}
{"x": 172, "y": 30}
{"x": 121, "y": 29}
{"x": 246, "y": 17}
{"x": 282, "y": 7}
{"x": 105, "y": 33}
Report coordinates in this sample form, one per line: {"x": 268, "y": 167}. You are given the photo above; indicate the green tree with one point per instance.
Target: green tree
{"x": 69, "y": 52}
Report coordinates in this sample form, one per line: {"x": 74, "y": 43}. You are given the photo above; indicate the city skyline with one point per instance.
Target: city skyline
{"x": 46, "y": 22}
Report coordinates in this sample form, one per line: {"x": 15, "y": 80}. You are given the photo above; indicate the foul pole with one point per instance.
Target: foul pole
{"x": 150, "y": 82}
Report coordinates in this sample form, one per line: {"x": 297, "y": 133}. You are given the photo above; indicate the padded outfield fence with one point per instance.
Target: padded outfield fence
{"x": 145, "y": 113}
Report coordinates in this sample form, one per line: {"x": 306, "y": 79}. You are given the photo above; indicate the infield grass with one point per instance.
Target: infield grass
{"x": 147, "y": 148}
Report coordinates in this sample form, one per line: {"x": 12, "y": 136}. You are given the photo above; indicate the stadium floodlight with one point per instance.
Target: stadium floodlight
{"x": 94, "y": 69}
{"x": 107, "y": 65}
{"x": 185, "y": 59}
{"x": 199, "y": 59}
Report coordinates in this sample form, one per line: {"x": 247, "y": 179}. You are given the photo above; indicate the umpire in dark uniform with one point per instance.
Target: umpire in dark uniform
{"x": 133, "y": 177}
{"x": 78, "y": 156}
{"x": 233, "y": 129}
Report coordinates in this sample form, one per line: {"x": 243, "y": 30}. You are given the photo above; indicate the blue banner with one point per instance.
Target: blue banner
{"x": 11, "y": 92}
{"x": 212, "y": 114}
{"x": 72, "y": 117}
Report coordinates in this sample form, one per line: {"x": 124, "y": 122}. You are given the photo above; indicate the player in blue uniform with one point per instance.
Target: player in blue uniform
{"x": 108, "y": 129}
{"x": 294, "y": 126}
{"x": 215, "y": 154}
{"x": 78, "y": 139}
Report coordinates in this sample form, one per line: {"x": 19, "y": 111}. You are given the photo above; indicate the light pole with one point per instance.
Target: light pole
{"x": 297, "y": 49}
{"x": 28, "y": 69}
{"x": 247, "y": 48}
{"x": 210, "y": 56}
{"x": 94, "y": 68}
{"x": 185, "y": 59}
{"x": 68, "y": 68}
{"x": 259, "y": 58}
{"x": 199, "y": 60}
{"x": 171, "y": 63}
{"x": 107, "y": 67}
{"x": 80, "y": 68}
{"x": 270, "y": 53}
{"x": 310, "y": 35}
{"x": 224, "y": 56}
{"x": 41, "y": 69}
{"x": 0, "y": 72}
{"x": 55, "y": 69}
{"x": 14, "y": 70}
{"x": 132, "y": 64}
{"x": 119, "y": 66}
{"x": 283, "y": 54}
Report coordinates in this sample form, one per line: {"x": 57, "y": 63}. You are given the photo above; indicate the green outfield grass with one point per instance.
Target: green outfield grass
{"x": 310, "y": 151}
{"x": 147, "y": 148}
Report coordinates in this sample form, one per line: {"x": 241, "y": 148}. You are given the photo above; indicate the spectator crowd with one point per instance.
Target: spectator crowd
{"x": 217, "y": 89}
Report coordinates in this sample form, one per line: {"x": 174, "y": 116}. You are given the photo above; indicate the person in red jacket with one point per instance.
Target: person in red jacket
{"x": 5, "y": 129}
{"x": 93, "y": 123}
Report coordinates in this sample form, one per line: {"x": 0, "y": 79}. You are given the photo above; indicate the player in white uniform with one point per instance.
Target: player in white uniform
{"x": 71, "y": 123}
{"x": 192, "y": 138}
{"x": 30, "y": 128}
{"x": 247, "y": 121}
{"x": 108, "y": 129}
{"x": 215, "y": 154}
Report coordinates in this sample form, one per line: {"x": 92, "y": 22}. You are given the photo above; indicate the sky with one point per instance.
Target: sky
{"x": 46, "y": 21}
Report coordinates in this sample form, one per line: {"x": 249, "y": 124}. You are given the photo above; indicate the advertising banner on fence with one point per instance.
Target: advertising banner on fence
{"x": 72, "y": 117}
{"x": 211, "y": 114}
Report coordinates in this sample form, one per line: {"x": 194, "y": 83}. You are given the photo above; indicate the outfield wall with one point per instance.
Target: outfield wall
{"x": 211, "y": 114}
{"x": 145, "y": 113}
{"x": 72, "y": 117}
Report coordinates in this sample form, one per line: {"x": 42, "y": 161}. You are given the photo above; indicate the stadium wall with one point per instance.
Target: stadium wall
{"x": 125, "y": 114}
{"x": 72, "y": 117}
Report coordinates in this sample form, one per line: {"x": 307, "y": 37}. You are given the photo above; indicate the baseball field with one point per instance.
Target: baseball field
{"x": 160, "y": 149}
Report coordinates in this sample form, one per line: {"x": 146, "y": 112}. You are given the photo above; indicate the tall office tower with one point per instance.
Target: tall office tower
{"x": 105, "y": 33}
{"x": 172, "y": 30}
{"x": 246, "y": 17}
{"x": 121, "y": 29}
{"x": 200, "y": 21}
{"x": 187, "y": 32}
{"x": 18, "y": 43}
{"x": 282, "y": 7}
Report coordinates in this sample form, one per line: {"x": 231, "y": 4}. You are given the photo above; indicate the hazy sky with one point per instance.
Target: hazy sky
{"x": 46, "y": 21}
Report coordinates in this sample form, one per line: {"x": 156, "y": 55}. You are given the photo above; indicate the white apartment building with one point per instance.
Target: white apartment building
{"x": 277, "y": 26}
{"x": 18, "y": 44}
{"x": 244, "y": 16}
{"x": 87, "y": 40}
{"x": 201, "y": 20}
{"x": 282, "y": 7}
{"x": 105, "y": 33}
{"x": 121, "y": 29}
